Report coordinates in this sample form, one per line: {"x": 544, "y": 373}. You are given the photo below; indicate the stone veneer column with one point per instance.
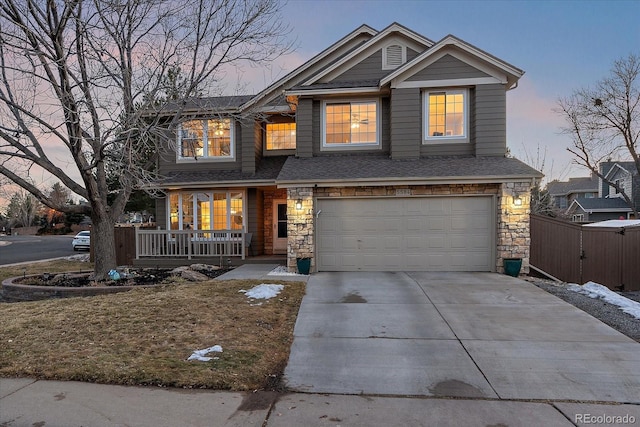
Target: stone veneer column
{"x": 300, "y": 226}
{"x": 514, "y": 239}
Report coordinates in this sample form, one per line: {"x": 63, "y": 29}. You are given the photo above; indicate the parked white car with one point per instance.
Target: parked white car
{"x": 82, "y": 240}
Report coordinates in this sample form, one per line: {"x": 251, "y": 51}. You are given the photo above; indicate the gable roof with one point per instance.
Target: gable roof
{"x": 615, "y": 204}
{"x": 315, "y": 61}
{"x": 628, "y": 167}
{"x": 513, "y": 73}
{"x": 371, "y": 44}
{"x": 574, "y": 185}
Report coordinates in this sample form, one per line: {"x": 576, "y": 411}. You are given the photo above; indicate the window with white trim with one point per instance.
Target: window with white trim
{"x": 350, "y": 123}
{"x": 206, "y": 138}
{"x": 217, "y": 210}
{"x": 577, "y": 218}
{"x": 446, "y": 115}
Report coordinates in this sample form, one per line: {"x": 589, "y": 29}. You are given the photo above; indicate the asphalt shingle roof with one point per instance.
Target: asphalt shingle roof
{"x": 267, "y": 170}
{"x": 574, "y": 185}
{"x": 328, "y": 168}
{"x": 602, "y": 203}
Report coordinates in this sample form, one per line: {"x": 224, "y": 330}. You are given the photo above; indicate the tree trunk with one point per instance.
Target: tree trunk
{"x": 104, "y": 247}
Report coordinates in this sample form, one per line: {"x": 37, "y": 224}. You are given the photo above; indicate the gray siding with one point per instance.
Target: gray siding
{"x": 304, "y": 127}
{"x": 167, "y": 160}
{"x": 247, "y": 142}
{"x": 406, "y": 123}
{"x": 447, "y": 67}
{"x": 490, "y": 120}
{"x": 161, "y": 212}
{"x": 368, "y": 69}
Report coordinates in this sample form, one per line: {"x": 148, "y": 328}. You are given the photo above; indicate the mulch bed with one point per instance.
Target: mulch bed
{"x": 128, "y": 277}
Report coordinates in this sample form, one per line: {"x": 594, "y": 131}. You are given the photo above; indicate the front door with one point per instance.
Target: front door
{"x": 279, "y": 226}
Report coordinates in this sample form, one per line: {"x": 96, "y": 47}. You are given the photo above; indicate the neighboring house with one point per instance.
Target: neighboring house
{"x": 625, "y": 174}
{"x": 386, "y": 151}
{"x": 590, "y": 210}
{"x": 564, "y": 192}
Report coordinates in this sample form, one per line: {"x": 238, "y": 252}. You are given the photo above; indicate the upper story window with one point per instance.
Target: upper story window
{"x": 446, "y": 116}
{"x": 349, "y": 124}
{"x": 281, "y": 136}
{"x": 207, "y": 138}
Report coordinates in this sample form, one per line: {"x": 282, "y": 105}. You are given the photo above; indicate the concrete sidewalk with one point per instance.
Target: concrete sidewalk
{"x": 25, "y": 402}
{"x": 260, "y": 272}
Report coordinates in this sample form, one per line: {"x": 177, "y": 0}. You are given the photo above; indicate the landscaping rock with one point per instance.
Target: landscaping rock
{"x": 204, "y": 268}
{"x": 193, "y": 276}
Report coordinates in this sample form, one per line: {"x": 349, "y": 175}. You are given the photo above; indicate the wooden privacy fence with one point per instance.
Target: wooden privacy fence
{"x": 125, "y": 245}
{"x": 573, "y": 253}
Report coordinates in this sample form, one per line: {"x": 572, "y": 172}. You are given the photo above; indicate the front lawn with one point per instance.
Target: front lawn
{"x": 145, "y": 336}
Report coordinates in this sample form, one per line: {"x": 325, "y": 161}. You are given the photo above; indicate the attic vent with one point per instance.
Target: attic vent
{"x": 393, "y": 56}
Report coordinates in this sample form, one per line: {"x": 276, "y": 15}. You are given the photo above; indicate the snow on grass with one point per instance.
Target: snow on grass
{"x": 263, "y": 291}
{"x": 595, "y": 290}
{"x": 281, "y": 270}
{"x": 200, "y": 355}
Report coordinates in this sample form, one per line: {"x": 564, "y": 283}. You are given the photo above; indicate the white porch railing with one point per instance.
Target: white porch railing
{"x": 189, "y": 243}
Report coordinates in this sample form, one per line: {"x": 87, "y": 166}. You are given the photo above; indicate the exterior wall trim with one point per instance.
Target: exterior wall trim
{"x": 419, "y": 84}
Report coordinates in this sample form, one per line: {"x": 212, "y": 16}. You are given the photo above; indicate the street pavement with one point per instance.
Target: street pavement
{"x": 392, "y": 349}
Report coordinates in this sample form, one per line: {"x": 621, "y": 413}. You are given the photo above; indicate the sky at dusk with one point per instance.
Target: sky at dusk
{"x": 561, "y": 46}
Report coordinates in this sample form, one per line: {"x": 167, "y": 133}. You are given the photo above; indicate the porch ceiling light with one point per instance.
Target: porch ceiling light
{"x": 299, "y": 204}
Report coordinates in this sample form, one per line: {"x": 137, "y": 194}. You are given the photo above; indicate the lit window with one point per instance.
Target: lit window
{"x": 350, "y": 123}
{"x": 220, "y": 210}
{"x": 211, "y": 138}
{"x": 281, "y": 136}
{"x": 446, "y": 115}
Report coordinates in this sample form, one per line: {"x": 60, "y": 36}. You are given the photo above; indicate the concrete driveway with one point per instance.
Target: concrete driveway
{"x": 479, "y": 335}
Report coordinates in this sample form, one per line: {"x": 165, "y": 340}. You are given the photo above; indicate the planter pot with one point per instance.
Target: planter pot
{"x": 512, "y": 266}
{"x": 304, "y": 265}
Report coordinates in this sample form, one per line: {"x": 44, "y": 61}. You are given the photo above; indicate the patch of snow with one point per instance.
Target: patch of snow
{"x": 263, "y": 291}
{"x": 281, "y": 270}
{"x": 596, "y": 290}
{"x": 615, "y": 223}
{"x": 200, "y": 355}
{"x": 78, "y": 257}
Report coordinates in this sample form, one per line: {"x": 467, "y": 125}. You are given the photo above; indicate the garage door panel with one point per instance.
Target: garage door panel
{"x": 432, "y": 233}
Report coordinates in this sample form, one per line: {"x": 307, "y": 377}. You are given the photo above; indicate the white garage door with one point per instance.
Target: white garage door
{"x": 396, "y": 234}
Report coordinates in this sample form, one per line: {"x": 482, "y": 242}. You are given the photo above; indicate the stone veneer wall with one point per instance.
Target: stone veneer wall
{"x": 300, "y": 226}
{"x": 512, "y": 238}
{"x": 269, "y": 197}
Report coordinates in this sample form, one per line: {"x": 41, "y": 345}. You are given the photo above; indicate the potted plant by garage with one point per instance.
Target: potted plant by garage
{"x": 303, "y": 262}
{"x": 512, "y": 266}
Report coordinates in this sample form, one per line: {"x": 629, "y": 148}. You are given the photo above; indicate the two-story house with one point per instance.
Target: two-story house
{"x": 386, "y": 151}
{"x": 563, "y": 193}
{"x": 610, "y": 204}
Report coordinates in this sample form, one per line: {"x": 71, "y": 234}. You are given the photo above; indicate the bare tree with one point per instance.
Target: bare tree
{"x": 23, "y": 209}
{"x": 604, "y": 121}
{"x": 76, "y": 77}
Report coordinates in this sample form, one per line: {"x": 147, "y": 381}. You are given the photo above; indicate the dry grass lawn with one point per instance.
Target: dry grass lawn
{"x": 56, "y": 266}
{"x": 145, "y": 336}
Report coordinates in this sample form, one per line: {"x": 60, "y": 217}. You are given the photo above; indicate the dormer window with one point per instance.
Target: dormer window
{"x": 205, "y": 139}
{"x": 393, "y": 56}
